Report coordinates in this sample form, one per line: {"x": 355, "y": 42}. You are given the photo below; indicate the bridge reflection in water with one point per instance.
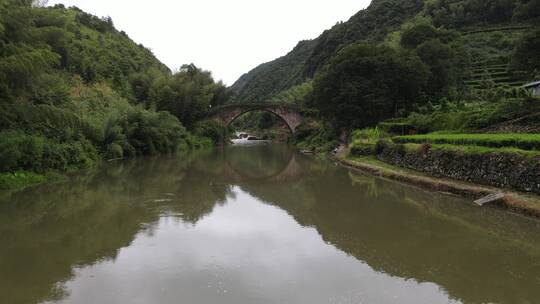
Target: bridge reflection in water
{"x": 275, "y": 163}
{"x": 473, "y": 255}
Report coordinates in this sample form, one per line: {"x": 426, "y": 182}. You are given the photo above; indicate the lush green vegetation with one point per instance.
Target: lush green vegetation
{"x": 74, "y": 90}
{"x": 308, "y": 57}
{"x": 316, "y": 136}
{"x": 411, "y": 67}
{"x": 516, "y": 115}
{"x": 469, "y": 149}
{"x": 364, "y": 141}
{"x": 388, "y": 21}
{"x": 365, "y": 84}
{"x": 522, "y": 141}
{"x": 19, "y": 179}
{"x": 526, "y": 54}
{"x": 462, "y": 13}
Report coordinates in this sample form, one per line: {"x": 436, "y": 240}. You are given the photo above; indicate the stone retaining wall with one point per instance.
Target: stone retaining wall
{"x": 500, "y": 169}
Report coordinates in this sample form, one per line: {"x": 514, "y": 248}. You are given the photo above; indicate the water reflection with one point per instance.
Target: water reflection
{"x": 257, "y": 225}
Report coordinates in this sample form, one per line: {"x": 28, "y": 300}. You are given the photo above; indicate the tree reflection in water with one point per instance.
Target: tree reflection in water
{"x": 476, "y": 255}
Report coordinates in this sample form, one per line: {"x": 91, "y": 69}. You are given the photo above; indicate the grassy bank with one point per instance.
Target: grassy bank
{"x": 521, "y": 141}
{"x": 458, "y": 156}
{"x": 20, "y": 179}
{"x": 470, "y": 149}
{"x": 520, "y": 203}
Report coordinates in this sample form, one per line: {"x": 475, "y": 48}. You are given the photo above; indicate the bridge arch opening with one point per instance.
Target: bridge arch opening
{"x": 261, "y": 122}
{"x": 230, "y": 113}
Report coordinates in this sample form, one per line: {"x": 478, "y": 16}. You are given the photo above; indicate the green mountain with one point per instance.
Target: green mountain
{"x": 493, "y": 29}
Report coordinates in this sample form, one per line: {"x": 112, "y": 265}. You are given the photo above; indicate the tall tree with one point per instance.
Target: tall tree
{"x": 365, "y": 83}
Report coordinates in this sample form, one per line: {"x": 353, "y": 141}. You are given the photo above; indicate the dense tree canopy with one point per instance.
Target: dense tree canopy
{"x": 73, "y": 89}
{"x": 436, "y": 48}
{"x": 189, "y": 94}
{"x": 373, "y": 25}
{"x": 365, "y": 83}
{"x": 309, "y": 56}
{"x": 526, "y": 56}
{"x": 459, "y": 13}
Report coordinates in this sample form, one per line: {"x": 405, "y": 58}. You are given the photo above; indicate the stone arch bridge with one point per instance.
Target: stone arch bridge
{"x": 226, "y": 114}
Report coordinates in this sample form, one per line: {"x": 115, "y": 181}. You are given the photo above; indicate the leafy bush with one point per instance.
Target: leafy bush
{"x": 20, "y": 151}
{"x": 114, "y": 151}
{"x": 212, "y": 130}
{"x": 316, "y": 137}
{"x": 151, "y": 133}
{"x": 369, "y": 135}
{"x": 397, "y": 127}
{"x": 19, "y": 179}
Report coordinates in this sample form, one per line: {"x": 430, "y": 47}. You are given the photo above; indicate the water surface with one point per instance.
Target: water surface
{"x": 257, "y": 224}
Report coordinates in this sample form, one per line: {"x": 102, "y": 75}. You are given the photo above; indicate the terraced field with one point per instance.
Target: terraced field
{"x": 520, "y": 141}
{"x": 500, "y": 75}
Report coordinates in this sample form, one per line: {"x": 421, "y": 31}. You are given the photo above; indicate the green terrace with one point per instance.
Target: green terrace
{"x": 472, "y": 149}
{"x": 498, "y": 75}
{"x": 520, "y": 141}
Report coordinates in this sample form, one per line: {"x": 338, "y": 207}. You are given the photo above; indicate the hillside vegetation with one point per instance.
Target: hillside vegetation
{"x": 74, "y": 90}
{"x": 489, "y": 30}
{"x": 308, "y": 57}
{"x": 411, "y": 67}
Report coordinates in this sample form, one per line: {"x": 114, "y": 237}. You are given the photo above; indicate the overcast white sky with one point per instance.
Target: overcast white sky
{"x": 228, "y": 37}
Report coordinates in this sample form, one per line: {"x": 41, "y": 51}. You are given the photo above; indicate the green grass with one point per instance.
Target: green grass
{"x": 19, "y": 179}
{"x": 520, "y": 141}
{"x": 472, "y": 149}
{"x": 372, "y": 160}
{"x": 368, "y": 135}
{"x": 492, "y": 74}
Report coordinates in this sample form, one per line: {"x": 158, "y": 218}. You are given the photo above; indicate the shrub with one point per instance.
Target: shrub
{"x": 396, "y": 127}
{"x": 212, "y": 130}
{"x": 19, "y": 179}
{"x": 150, "y": 133}
{"x": 316, "y": 137}
{"x": 368, "y": 135}
{"x": 21, "y": 151}
{"x": 114, "y": 151}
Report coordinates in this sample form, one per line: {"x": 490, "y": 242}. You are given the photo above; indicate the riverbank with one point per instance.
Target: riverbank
{"x": 526, "y": 204}
{"x": 21, "y": 179}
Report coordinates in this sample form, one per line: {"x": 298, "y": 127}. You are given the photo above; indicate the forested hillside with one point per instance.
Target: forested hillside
{"x": 384, "y": 22}
{"x": 74, "y": 90}
{"x": 371, "y": 24}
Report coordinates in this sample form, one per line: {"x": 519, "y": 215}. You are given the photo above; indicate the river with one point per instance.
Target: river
{"x": 257, "y": 224}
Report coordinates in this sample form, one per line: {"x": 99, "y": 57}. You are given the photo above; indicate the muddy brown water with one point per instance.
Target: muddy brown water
{"x": 257, "y": 224}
